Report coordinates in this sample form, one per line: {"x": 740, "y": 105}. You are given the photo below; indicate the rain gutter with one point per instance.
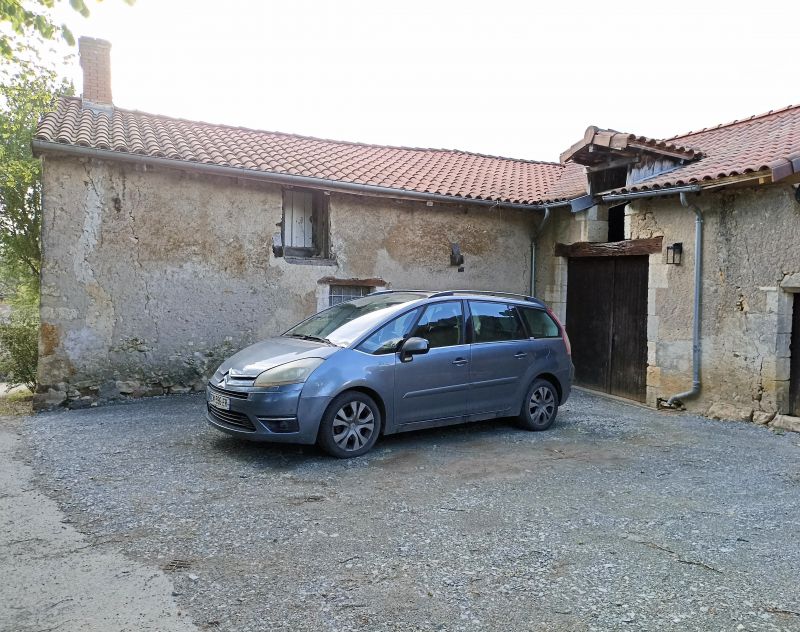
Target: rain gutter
{"x": 624, "y": 197}
{"x": 282, "y": 178}
{"x": 677, "y": 400}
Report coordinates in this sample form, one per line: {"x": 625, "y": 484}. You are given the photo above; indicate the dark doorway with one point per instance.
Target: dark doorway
{"x": 616, "y": 223}
{"x": 794, "y": 366}
{"x": 607, "y": 323}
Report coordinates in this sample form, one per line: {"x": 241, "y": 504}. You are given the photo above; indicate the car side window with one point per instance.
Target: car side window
{"x": 441, "y": 325}
{"x": 539, "y": 322}
{"x": 493, "y": 322}
{"x": 388, "y": 337}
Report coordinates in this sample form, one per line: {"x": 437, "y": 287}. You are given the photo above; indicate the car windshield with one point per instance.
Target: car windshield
{"x": 343, "y": 323}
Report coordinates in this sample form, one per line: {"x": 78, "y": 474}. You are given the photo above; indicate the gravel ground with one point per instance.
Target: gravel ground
{"x": 619, "y": 517}
{"x": 54, "y": 579}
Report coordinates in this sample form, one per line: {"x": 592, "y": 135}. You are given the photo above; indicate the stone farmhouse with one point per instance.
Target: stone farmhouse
{"x": 168, "y": 244}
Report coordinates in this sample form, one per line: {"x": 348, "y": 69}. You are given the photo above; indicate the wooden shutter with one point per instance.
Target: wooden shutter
{"x": 297, "y": 217}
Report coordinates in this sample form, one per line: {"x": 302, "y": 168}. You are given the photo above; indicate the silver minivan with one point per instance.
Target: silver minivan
{"x": 395, "y": 361}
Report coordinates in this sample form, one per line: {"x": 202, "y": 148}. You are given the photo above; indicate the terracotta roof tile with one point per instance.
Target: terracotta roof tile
{"x": 768, "y": 142}
{"x": 586, "y": 151}
{"x": 448, "y": 172}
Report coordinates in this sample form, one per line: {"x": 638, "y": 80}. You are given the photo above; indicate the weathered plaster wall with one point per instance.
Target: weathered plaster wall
{"x": 150, "y": 278}
{"x": 749, "y": 251}
{"x": 751, "y": 266}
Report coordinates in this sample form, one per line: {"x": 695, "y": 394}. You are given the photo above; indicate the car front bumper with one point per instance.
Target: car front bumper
{"x": 279, "y": 415}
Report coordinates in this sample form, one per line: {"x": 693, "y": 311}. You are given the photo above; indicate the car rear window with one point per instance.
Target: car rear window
{"x": 539, "y": 322}
{"x": 493, "y": 322}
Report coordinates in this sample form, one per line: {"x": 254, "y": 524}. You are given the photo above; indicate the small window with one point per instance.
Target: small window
{"x": 388, "y": 337}
{"x": 305, "y": 223}
{"x": 342, "y": 293}
{"x": 539, "y": 322}
{"x": 616, "y": 223}
{"x": 493, "y": 322}
{"x": 441, "y": 325}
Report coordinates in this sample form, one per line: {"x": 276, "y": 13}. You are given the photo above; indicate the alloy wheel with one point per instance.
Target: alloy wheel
{"x": 353, "y": 426}
{"x": 542, "y": 405}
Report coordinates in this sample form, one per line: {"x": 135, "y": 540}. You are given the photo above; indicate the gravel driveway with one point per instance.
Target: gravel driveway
{"x": 619, "y": 517}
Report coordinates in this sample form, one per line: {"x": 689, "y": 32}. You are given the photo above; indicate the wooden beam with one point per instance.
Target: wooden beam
{"x": 329, "y": 280}
{"x": 628, "y": 248}
{"x": 678, "y": 155}
{"x": 620, "y": 162}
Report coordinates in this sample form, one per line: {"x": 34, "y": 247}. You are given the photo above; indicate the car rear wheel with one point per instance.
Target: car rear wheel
{"x": 350, "y": 426}
{"x": 540, "y": 407}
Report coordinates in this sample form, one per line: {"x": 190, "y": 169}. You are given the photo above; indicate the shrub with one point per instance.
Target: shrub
{"x": 19, "y": 347}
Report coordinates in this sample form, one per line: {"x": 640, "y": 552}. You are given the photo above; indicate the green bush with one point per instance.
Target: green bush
{"x": 19, "y": 347}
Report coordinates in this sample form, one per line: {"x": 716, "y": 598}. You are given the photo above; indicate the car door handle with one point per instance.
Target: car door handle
{"x": 520, "y": 355}
{"x": 460, "y": 361}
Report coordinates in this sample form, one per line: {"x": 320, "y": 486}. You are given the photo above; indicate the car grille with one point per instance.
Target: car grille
{"x": 231, "y": 417}
{"x": 227, "y": 393}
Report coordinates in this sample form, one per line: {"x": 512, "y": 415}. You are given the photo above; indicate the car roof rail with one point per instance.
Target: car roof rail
{"x": 394, "y": 291}
{"x": 524, "y": 297}
{"x": 435, "y": 294}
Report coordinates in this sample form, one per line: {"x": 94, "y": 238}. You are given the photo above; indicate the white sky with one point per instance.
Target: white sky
{"x": 519, "y": 79}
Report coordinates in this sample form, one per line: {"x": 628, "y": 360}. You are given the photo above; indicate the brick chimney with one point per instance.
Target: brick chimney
{"x": 95, "y": 56}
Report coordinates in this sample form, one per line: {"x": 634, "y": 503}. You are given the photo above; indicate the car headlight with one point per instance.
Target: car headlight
{"x": 295, "y": 372}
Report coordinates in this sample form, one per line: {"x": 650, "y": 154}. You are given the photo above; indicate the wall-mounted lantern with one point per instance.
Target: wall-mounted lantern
{"x": 675, "y": 254}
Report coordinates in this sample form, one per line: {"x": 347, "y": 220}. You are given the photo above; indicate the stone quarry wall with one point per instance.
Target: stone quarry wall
{"x": 151, "y": 277}
{"x": 751, "y": 268}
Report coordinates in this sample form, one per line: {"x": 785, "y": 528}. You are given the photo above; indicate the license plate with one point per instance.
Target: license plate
{"x": 219, "y": 401}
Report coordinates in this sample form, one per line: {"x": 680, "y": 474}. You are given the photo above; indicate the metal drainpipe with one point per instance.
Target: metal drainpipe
{"x": 533, "y": 249}
{"x": 676, "y": 400}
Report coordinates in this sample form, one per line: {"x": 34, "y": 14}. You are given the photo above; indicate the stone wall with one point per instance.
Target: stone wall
{"x": 151, "y": 277}
{"x": 751, "y": 268}
{"x": 750, "y": 254}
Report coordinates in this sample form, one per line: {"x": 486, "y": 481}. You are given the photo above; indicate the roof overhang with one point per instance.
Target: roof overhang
{"x": 599, "y": 147}
{"x": 41, "y": 147}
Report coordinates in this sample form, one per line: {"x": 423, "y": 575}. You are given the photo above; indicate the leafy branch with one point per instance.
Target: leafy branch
{"x": 33, "y": 17}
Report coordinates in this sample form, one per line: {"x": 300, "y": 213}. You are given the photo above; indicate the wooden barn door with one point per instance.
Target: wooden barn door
{"x": 607, "y": 323}
{"x": 794, "y": 362}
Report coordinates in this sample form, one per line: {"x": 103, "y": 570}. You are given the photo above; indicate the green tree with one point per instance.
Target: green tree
{"x": 26, "y": 91}
{"x": 33, "y": 18}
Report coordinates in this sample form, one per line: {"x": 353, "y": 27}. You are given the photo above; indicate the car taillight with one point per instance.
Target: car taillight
{"x": 563, "y": 329}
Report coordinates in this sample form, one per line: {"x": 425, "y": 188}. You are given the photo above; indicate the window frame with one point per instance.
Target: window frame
{"x": 517, "y": 315}
{"x": 320, "y": 225}
{"x": 369, "y": 289}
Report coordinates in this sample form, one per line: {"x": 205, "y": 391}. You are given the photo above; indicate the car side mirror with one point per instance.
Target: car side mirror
{"x": 411, "y": 347}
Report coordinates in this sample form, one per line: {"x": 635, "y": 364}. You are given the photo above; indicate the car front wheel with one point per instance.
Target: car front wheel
{"x": 350, "y": 426}
{"x": 540, "y": 407}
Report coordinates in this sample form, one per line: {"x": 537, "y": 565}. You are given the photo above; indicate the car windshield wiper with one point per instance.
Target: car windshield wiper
{"x": 314, "y": 338}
